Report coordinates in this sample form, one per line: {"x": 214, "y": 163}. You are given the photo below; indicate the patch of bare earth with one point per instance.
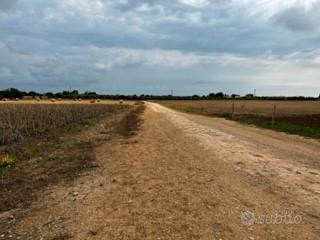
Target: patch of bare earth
{"x": 183, "y": 177}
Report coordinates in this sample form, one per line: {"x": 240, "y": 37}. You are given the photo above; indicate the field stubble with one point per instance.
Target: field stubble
{"x": 19, "y": 121}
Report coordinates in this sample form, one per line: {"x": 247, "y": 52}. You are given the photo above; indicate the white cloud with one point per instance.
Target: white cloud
{"x": 83, "y": 7}
{"x": 195, "y": 3}
{"x": 295, "y": 69}
{"x": 122, "y": 58}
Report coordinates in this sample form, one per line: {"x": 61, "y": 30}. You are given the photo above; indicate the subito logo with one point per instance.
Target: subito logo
{"x": 248, "y": 218}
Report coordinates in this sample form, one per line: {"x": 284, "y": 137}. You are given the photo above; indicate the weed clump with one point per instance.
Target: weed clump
{"x": 30, "y": 153}
{"x": 7, "y": 160}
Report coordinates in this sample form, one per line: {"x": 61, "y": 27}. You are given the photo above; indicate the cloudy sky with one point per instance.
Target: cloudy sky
{"x": 151, "y": 47}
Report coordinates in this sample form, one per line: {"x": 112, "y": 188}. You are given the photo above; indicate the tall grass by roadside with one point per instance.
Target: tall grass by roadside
{"x": 282, "y": 125}
{"x": 18, "y": 121}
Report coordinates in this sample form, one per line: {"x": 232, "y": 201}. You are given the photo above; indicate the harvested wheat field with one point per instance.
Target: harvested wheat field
{"x": 58, "y": 101}
{"x": 149, "y": 172}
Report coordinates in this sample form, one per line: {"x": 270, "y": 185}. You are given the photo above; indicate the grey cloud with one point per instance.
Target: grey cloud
{"x": 141, "y": 46}
{"x": 6, "y": 5}
{"x": 298, "y": 19}
{"x": 214, "y": 29}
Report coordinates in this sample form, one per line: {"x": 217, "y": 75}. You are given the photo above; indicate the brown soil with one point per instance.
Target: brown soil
{"x": 183, "y": 177}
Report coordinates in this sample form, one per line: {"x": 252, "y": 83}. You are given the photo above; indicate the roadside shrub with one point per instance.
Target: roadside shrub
{"x": 7, "y": 160}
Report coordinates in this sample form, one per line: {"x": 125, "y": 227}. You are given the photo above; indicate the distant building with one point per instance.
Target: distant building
{"x": 250, "y": 95}
{"x": 235, "y": 96}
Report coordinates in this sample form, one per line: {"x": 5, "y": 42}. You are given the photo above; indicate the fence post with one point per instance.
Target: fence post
{"x": 232, "y": 114}
{"x": 274, "y": 115}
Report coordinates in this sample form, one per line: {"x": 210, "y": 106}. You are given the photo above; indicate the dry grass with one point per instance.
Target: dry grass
{"x": 131, "y": 122}
{"x": 7, "y": 160}
{"x": 18, "y": 121}
{"x": 59, "y": 101}
{"x": 295, "y": 117}
{"x": 242, "y": 107}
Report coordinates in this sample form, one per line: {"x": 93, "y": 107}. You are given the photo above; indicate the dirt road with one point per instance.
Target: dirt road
{"x": 188, "y": 177}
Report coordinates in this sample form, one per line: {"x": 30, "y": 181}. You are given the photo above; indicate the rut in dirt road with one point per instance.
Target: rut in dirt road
{"x": 188, "y": 177}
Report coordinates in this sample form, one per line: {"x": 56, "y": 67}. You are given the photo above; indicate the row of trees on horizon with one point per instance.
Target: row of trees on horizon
{"x": 13, "y": 93}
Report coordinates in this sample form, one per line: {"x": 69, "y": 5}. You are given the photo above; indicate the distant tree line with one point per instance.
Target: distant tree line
{"x": 13, "y": 93}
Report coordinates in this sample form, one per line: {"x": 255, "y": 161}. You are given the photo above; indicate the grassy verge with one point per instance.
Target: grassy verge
{"x": 304, "y": 125}
{"x": 130, "y": 124}
{"x": 280, "y": 125}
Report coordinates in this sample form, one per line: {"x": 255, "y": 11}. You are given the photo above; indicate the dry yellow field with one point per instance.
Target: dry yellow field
{"x": 48, "y": 101}
{"x": 250, "y": 107}
{"x": 22, "y": 119}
